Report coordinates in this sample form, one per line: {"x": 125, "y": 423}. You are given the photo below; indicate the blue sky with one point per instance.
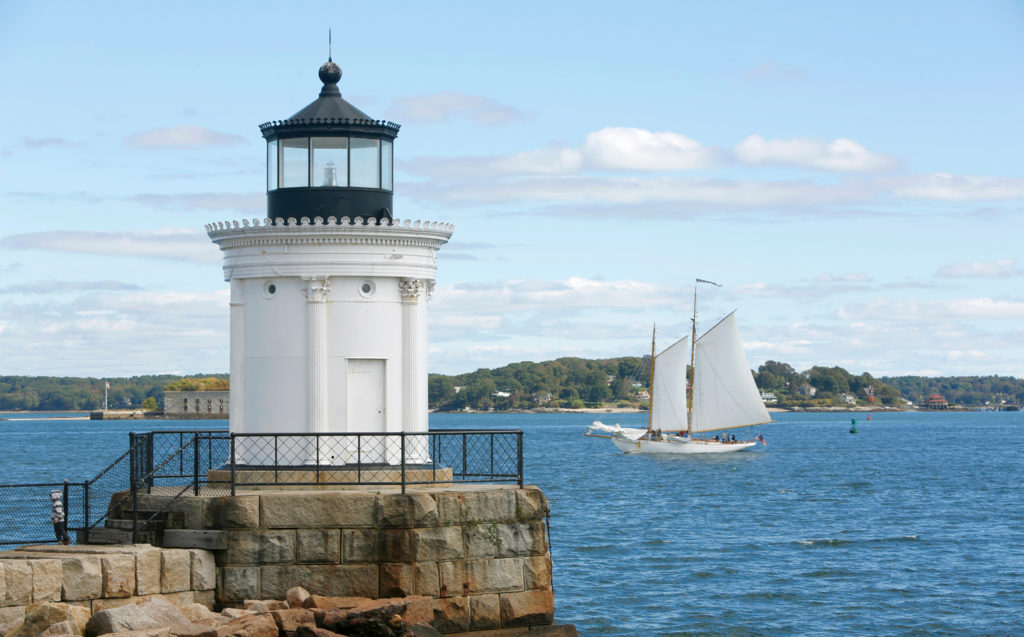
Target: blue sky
{"x": 850, "y": 172}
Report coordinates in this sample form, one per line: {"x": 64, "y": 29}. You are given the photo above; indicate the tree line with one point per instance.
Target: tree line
{"x": 56, "y": 393}
{"x": 559, "y": 384}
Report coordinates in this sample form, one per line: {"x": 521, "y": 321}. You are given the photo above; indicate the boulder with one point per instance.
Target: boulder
{"x": 330, "y": 603}
{"x": 40, "y": 617}
{"x": 251, "y": 625}
{"x": 264, "y": 605}
{"x": 63, "y": 629}
{"x": 306, "y": 631}
{"x": 297, "y": 597}
{"x": 151, "y": 632}
{"x": 165, "y": 613}
{"x": 288, "y": 620}
{"x": 120, "y": 619}
{"x": 199, "y": 614}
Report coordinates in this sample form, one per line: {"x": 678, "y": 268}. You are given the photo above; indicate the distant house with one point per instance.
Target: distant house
{"x": 935, "y": 401}
{"x": 541, "y": 397}
{"x": 637, "y": 385}
{"x": 196, "y": 404}
{"x": 610, "y": 378}
{"x": 643, "y": 395}
{"x": 807, "y": 390}
{"x": 849, "y": 399}
{"x": 501, "y": 394}
{"x": 769, "y": 398}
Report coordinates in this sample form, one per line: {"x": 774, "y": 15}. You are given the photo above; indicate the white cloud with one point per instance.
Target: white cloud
{"x": 637, "y": 190}
{"x": 840, "y": 155}
{"x": 182, "y": 136}
{"x": 446, "y": 105}
{"x": 243, "y": 203}
{"x": 999, "y": 269}
{"x": 633, "y": 149}
{"x": 944, "y": 186}
{"x": 912, "y": 310}
{"x": 174, "y": 244}
{"x": 65, "y": 287}
{"x": 533, "y": 295}
{"x": 117, "y": 334}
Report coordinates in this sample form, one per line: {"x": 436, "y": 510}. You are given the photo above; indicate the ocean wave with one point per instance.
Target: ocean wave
{"x": 839, "y": 542}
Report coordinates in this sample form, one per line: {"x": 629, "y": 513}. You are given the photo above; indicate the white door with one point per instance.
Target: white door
{"x": 366, "y": 406}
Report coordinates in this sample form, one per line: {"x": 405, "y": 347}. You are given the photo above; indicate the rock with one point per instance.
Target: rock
{"x": 424, "y": 630}
{"x": 151, "y": 632}
{"x": 235, "y": 613}
{"x": 40, "y": 617}
{"x": 10, "y": 617}
{"x": 296, "y": 597}
{"x": 165, "y": 613}
{"x": 120, "y": 619}
{"x": 264, "y": 605}
{"x": 289, "y": 620}
{"x": 306, "y": 631}
{"x": 329, "y": 603}
{"x": 59, "y": 630}
{"x": 251, "y": 625}
{"x": 199, "y": 614}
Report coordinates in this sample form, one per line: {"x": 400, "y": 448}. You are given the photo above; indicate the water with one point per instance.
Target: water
{"x": 914, "y": 526}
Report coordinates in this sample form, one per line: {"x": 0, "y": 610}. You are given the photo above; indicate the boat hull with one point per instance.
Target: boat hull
{"x": 677, "y": 445}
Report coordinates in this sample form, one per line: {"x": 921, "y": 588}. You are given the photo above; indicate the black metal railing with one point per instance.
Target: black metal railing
{"x": 179, "y": 463}
{"x": 402, "y": 459}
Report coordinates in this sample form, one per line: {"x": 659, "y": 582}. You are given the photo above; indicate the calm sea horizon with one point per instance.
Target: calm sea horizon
{"x": 913, "y": 526}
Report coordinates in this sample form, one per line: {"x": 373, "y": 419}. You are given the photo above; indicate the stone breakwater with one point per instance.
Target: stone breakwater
{"x": 299, "y": 615}
{"x": 79, "y": 581}
{"x": 480, "y": 553}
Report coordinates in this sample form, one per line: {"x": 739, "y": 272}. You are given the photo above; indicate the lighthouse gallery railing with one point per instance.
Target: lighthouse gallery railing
{"x": 192, "y": 462}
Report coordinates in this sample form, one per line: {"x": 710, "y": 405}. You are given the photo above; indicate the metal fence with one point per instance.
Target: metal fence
{"x": 179, "y": 463}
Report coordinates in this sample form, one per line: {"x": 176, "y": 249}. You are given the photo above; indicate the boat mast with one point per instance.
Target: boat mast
{"x": 693, "y": 355}
{"x": 650, "y": 403}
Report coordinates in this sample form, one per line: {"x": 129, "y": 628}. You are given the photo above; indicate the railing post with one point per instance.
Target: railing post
{"x": 149, "y": 462}
{"x": 519, "y": 454}
{"x": 195, "y": 463}
{"x": 402, "y": 438}
{"x": 67, "y": 509}
{"x": 465, "y": 469}
{"x": 491, "y": 436}
{"x": 85, "y": 510}
{"x": 232, "y": 460}
{"x": 135, "y": 511}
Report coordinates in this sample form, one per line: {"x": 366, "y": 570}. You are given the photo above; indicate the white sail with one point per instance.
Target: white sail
{"x": 724, "y": 392}
{"x": 669, "y": 387}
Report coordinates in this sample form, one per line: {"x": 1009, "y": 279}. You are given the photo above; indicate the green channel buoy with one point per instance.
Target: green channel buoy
{"x": 853, "y": 425}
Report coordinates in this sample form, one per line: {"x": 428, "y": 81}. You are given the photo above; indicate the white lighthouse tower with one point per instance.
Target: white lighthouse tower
{"x": 329, "y": 292}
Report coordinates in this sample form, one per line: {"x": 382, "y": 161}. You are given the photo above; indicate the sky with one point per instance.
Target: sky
{"x": 850, "y": 173}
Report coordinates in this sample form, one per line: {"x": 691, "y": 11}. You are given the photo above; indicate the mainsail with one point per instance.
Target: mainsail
{"x": 724, "y": 392}
{"x": 669, "y": 387}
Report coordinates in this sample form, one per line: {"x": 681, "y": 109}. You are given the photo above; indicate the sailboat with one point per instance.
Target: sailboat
{"x": 723, "y": 396}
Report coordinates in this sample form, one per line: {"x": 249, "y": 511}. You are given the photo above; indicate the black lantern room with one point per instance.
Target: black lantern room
{"x": 330, "y": 159}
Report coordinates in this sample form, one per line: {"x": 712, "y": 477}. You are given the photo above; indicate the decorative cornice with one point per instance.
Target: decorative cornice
{"x": 255, "y": 232}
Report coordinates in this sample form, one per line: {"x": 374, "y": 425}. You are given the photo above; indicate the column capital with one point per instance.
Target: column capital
{"x": 317, "y": 288}
{"x": 411, "y": 289}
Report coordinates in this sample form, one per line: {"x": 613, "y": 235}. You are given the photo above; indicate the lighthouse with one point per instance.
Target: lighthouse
{"x": 329, "y": 292}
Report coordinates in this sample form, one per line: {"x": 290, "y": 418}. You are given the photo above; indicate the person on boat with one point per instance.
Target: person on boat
{"x": 718, "y": 438}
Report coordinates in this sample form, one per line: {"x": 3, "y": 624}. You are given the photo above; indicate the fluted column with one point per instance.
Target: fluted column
{"x": 236, "y": 397}
{"x": 317, "y": 290}
{"x": 413, "y": 291}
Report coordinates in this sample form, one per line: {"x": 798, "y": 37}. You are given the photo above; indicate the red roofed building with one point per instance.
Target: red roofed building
{"x": 935, "y": 401}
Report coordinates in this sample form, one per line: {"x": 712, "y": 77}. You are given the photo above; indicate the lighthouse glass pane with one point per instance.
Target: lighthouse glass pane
{"x": 272, "y": 165}
{"x": 295, "y": 163}
{"x": 330, "y": 161}
{"x": 365, "y": 170}
{"x": 386, "y": 170}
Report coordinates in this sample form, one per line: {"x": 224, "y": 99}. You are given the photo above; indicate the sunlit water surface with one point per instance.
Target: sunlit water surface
{"x": 914, "y": 526}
